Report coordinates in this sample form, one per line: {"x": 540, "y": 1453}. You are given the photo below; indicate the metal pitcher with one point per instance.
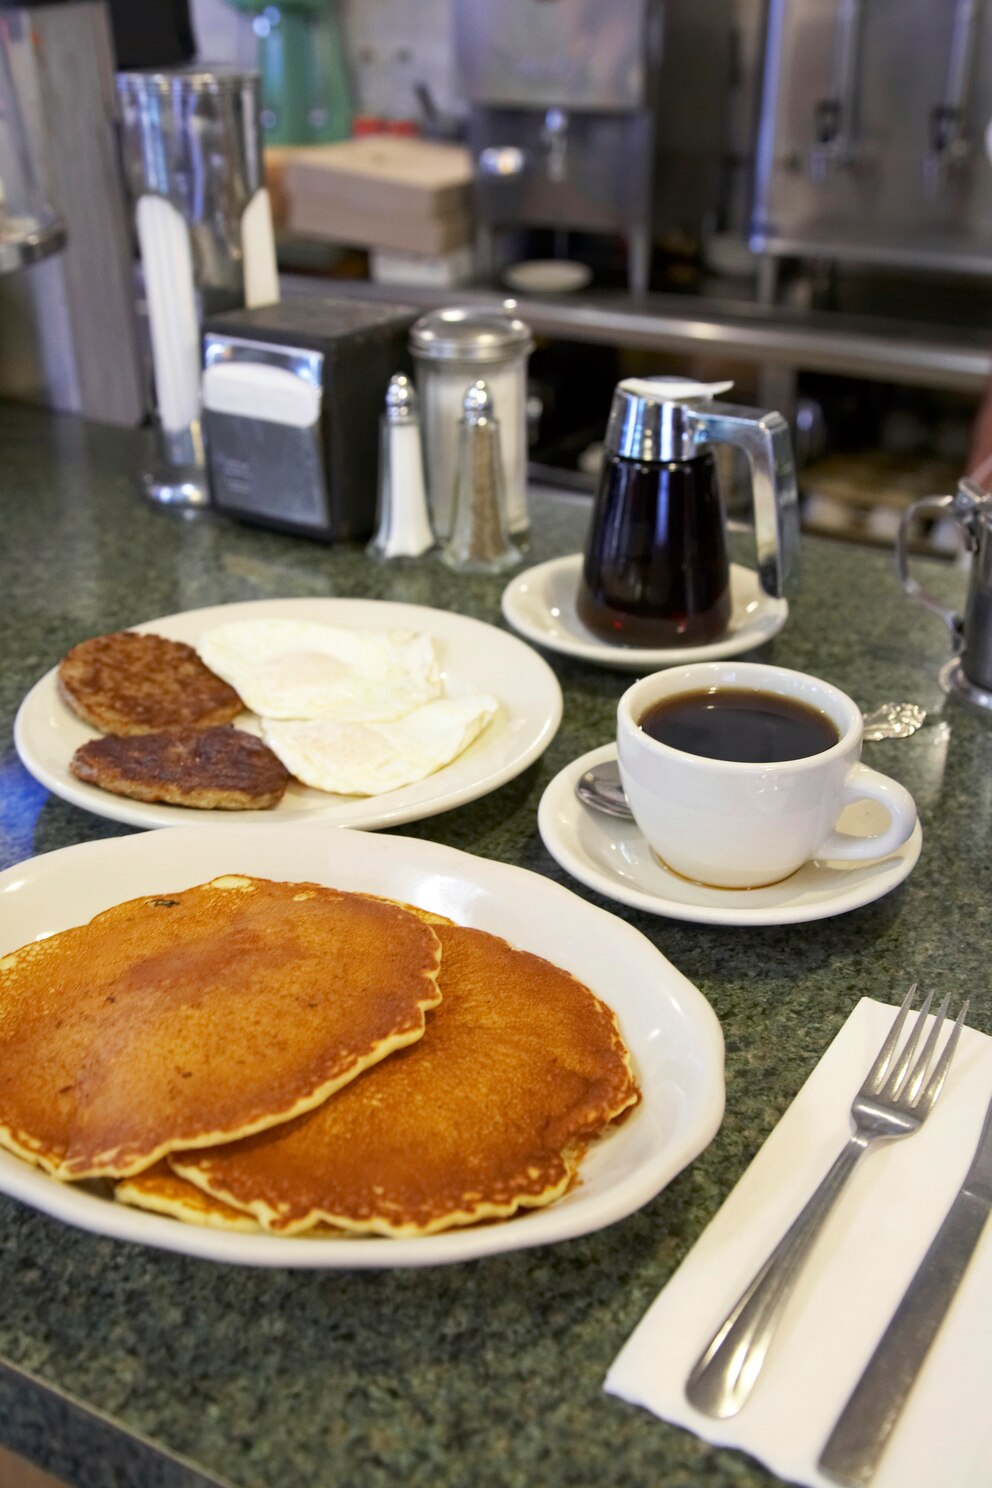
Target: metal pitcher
{"x": 969, "y": 674}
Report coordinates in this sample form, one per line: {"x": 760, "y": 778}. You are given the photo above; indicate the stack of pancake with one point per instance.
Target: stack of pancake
{"x": 302, "y": 1060}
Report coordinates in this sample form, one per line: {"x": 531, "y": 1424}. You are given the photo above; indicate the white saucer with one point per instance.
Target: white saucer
{"x": 610, "y": 856}
{"x": 547, "y": 275}
{"x": 540, "y": 604}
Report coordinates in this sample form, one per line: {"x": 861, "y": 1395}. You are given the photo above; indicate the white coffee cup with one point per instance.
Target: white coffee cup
{"x": 739, "y": 825}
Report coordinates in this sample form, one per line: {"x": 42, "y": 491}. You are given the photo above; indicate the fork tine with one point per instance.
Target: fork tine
{"x": 921, "y": 1069}
{"x": 876, "y": 1075}
{"x": 934, "y": 1084}
{"x": 893, "y": 1085}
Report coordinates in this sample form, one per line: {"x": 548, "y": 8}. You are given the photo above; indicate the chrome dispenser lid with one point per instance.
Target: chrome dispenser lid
{"x": 648, "y": 418}
{"x": 466, "y": 334}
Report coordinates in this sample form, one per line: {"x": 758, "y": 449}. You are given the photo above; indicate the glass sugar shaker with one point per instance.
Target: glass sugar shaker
{"x": 479, "y": 541}
{"x": 451, "y": 349}
{"x": 403, "y": 527}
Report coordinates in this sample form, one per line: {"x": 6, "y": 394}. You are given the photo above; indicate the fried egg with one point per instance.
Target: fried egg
{"x": 299, "y": 669}
{"x": 367, "y": 758}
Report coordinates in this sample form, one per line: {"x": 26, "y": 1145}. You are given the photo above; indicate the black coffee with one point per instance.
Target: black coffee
{"x": 741, "y": 724}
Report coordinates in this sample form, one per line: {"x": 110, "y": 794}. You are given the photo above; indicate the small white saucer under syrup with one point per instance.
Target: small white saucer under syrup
{"x": 612, "y": 857}
{"x": 540, "y": 604}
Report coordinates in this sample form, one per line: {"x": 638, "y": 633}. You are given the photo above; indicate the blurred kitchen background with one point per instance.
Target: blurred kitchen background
{"x": 796, "y": 194}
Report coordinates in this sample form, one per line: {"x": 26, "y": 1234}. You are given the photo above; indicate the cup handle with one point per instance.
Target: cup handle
{"x": 865, "y": 784}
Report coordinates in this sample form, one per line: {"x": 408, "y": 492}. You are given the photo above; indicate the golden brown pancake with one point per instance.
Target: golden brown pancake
{"x": 162, "y": 1191}
{"x": 195, "y": 1017}
{"x": 221, "y": 768}
{"x": 520, "y": 1066}
{"x": 131, "y": 683}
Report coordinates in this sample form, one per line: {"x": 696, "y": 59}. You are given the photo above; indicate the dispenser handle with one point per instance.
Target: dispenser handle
{"x": 764, "y": 438}
{"x": 961, "y": 507}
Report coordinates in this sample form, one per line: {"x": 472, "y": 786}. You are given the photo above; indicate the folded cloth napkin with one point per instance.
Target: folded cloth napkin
{"x": 853, "y": 1280}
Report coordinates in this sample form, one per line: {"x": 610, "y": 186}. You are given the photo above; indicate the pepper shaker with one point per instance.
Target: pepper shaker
{"x": 480, "y": 541}
{"x": 403, "y": 527}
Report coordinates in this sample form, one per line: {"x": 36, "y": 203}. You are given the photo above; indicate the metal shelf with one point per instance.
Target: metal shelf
{"x": 877, "y": 348}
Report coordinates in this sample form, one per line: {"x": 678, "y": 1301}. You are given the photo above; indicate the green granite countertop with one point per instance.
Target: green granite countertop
{"x": 123, "y": 1365}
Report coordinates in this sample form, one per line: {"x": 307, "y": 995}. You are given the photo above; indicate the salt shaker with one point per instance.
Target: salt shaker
{"x": 480, "y": 541}
{"x": 403, "y": 527}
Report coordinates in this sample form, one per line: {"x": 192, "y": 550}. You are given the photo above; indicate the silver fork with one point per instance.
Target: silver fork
{"x": 894, "y": 1101}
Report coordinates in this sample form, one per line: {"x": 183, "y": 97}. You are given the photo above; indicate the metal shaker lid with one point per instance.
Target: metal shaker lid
{"x": 402, "y": 406}
{"x": 477, "y": 404}
{"x": 648, "y": 417}
{"x": 468, "y": 334}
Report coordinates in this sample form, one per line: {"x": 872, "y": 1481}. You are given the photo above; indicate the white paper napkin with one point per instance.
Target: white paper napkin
{"x": 862, "y": 1263}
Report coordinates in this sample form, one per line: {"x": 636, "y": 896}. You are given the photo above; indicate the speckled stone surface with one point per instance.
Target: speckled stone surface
{"x": 488, "y": 1373}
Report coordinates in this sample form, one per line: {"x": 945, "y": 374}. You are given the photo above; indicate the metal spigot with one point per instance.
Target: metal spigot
{"x": 837, "y": 124}
{"x": 949, "y": 150}
{"x": 949, "y": 143}
{"x": 554, "y": 137}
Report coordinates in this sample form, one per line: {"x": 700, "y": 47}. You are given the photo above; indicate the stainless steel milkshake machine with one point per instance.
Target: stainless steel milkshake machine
{"x": 602, "y": 117}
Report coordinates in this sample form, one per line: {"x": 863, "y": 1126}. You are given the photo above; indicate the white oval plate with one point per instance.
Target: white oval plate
{"x": 474, "y": 657}
{"x": 671, "y": 1030}
{"x": 611, "y": 856}
{"x": 540, "y": 604}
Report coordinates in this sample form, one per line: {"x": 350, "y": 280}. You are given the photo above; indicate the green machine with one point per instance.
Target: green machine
{"x": 305, "y": 95}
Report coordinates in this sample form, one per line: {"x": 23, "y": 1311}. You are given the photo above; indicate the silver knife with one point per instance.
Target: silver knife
{"x": 855, "y": 1446}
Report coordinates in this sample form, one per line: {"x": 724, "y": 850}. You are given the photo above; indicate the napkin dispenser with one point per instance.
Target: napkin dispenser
{"x": 291, "y": 400}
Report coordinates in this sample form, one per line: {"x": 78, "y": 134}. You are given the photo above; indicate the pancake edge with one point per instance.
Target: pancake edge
{"x": 266, "y": 1216}
{"x": 135, "y": 1198}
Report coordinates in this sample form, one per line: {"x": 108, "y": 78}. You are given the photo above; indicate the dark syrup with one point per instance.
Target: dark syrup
{"x": 655, "y": 571}
{"x": 740, "y": 724}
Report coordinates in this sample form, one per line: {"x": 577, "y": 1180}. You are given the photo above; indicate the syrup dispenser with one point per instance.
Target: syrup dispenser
{"x": 656, "y": 570}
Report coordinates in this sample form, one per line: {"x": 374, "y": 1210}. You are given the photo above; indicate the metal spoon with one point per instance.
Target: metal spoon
{"x": 601, "y": 789}
{"x": 893, "y": 721}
